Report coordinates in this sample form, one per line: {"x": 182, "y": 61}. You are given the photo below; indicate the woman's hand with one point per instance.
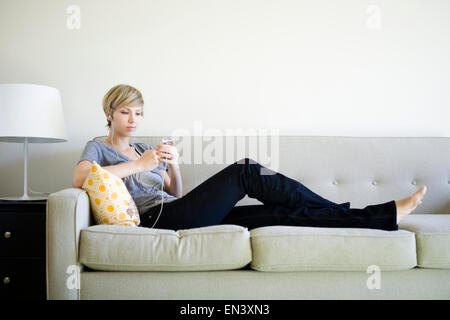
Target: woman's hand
{"x": 149, "y": 160}
{"x": 168, "y": 153}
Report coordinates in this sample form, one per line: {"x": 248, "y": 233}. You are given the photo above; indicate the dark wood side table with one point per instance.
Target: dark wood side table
{"x": 22, "y": 249}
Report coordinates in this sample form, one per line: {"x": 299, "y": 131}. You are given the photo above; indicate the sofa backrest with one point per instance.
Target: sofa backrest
{"x": 361, "y": 170}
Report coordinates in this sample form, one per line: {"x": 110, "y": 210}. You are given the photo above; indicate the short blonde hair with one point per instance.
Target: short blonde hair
{"x": 119, "y": 96}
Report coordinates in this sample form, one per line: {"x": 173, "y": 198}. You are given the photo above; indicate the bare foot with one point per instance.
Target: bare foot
{"x": 406, "y": 205}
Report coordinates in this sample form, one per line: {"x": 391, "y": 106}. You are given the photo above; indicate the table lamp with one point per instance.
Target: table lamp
{"x": 30, "y": 113}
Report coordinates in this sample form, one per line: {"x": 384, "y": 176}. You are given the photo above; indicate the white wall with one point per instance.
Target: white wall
{"x": 348, "y": 68}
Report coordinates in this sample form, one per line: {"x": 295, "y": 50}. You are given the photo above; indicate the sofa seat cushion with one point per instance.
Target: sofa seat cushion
{"x": 119, "y": 248}
{"x": 432, "y": 238}
{"x": 286, "y": 248}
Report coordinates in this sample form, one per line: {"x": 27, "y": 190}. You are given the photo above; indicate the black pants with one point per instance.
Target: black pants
{"x": 285, "y": 202}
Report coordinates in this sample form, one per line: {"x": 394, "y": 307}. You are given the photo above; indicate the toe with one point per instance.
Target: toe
{"x": 422, "y": 194}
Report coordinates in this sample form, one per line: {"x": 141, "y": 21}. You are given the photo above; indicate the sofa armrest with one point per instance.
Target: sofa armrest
{"x": 68, "y": 211}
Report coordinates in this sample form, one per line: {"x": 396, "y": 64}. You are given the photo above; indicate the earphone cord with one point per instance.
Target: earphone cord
{"x": 139, "y": 175}
{"x": 162, "y": 197}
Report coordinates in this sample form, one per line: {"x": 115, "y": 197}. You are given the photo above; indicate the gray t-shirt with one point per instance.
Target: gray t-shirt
{"x": 144, "y": 187}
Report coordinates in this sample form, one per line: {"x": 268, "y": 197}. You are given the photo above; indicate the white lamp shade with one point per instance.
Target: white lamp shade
{"x": 32, "y": 112}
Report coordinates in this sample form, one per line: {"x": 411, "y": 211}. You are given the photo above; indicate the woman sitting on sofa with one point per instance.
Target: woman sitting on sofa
{"x": 285, "y": 201}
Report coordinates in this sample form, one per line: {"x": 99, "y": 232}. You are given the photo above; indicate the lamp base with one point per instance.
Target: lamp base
{"x": 24, "y": 198}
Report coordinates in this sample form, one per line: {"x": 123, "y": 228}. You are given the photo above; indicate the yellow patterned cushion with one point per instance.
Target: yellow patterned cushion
{"x": 111, "y": 203}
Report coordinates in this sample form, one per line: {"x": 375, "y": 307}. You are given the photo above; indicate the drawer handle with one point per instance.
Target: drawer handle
{"x": 6, "y": 280}
{"x": 7, "y": 234}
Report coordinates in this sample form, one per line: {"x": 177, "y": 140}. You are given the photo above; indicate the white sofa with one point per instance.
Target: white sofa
{"x": 274, "y": 262}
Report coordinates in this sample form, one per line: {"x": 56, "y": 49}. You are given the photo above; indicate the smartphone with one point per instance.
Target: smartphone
{"x": 166, "y": 141}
